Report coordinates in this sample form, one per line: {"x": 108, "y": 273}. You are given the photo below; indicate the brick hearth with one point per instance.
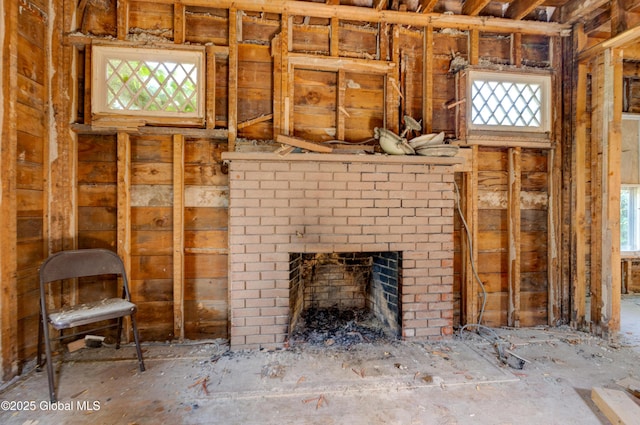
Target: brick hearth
{"x": 322, "y": 203}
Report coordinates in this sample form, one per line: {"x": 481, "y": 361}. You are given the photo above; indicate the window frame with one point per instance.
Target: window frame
{"x": 100, "y": 112}
{"x": 512, "y": 77}
{"x": 634, "y": 219}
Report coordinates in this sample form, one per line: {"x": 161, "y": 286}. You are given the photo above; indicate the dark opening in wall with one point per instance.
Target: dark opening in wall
{"x": 341, "y": 291}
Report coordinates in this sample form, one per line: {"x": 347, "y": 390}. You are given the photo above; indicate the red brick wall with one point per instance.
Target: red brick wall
{"x": 337, "y": 203}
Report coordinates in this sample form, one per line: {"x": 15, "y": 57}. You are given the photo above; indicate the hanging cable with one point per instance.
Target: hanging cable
{"x": 471, "y": 259}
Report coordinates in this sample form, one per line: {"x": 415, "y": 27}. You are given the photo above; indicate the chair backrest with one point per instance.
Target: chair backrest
{"x": 82, "y": 263}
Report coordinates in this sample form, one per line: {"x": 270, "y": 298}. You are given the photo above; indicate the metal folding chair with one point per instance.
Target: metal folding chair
{"x": 76, "y": 264}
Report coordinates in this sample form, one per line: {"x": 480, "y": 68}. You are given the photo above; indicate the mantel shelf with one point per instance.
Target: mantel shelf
{"x": 320, "y": 157}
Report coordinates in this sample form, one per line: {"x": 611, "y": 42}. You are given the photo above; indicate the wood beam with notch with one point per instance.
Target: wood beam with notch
{"x": 474, "y": 7}
{"x": 518, "y": 9}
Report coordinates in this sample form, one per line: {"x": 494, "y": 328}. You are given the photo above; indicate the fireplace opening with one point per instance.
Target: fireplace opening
{"x": 344, "y": 298}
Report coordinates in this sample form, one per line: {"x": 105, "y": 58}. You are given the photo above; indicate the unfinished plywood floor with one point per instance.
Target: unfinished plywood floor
{"x": 457, "y": 382}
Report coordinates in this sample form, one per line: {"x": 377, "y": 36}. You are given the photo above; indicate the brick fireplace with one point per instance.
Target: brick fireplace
{"x": 282, "y": 207}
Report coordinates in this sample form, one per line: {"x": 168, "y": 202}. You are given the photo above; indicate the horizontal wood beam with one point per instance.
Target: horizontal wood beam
{"x": 365, "y": 14}
{"x": 620, "y": 41}
{"x": 334, "y": 64}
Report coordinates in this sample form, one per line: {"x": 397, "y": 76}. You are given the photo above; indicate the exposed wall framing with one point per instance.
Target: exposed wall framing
{"x": 158, "y": 195}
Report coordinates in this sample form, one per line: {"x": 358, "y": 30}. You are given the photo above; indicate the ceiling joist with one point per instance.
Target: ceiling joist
{"x": 518, "y": 9}
{"x": 366, "y": 14}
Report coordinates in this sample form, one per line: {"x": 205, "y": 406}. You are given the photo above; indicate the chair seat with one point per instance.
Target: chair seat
{"x": 83, "y": 314}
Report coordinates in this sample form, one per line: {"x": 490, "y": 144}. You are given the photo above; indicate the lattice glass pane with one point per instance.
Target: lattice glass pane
{"x": 147, "y": 85}
{"x": 506, "y": 103}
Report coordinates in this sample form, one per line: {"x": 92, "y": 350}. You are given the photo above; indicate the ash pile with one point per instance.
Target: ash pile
{"x": 338, "y": 328}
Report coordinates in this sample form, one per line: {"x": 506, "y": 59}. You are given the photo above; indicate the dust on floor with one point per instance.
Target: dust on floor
{"x": 462, "y": 381}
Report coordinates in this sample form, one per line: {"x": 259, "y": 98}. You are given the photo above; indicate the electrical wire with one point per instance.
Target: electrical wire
{"x": 473, "y": 264}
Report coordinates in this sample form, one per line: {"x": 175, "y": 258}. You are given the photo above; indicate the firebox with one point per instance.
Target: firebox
{"x": 324, "y": 210}
{"x": 357, "y": 282}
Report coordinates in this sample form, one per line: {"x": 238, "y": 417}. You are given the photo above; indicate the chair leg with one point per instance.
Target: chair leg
{"x": 118, "y": 332}
{"x": 49, "y": 360}
{"x": 39, "y": 351}
{"x": 137, "y": 340}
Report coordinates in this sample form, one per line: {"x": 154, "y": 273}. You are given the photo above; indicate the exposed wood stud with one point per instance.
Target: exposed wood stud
{"x": 513, "y": 230}
{"x": 474, "y": 47}
{"x": 392, "y": 89}
{"x": 557, "y": 288}
{"x": 334, "y": 37}
{"x": 469, "y": 254}
{"x": 578, "y": 196}
{"x": 427, "y": 82}
{"x": 597, "y": 159}
{"x": 124, "y": 204}
{"x": 179, "y": 23}
{"x": 340, "y": 115}
{"x": 516, "y": 49}
{"x": 122, "y": 19}
{"x": 8, "y": 201}
{"x": 233, "y": 80}
{"x": 210, "y": 101}
{"x": 178, "y": 236}
{"x": 278, "y": 103}
{"x": 613, "y": 106}
{"x": 87, "y": 85}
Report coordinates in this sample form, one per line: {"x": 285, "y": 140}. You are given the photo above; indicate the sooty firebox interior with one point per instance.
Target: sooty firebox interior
{"x": 344, "y": 298}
